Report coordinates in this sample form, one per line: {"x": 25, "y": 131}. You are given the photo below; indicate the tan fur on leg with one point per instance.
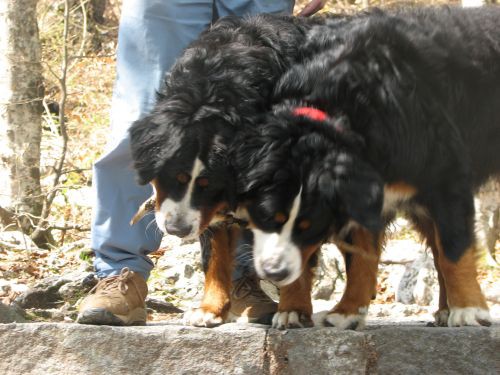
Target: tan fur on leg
{"x": 465, "y": 300}
{"x": 295, "y": 306}
{"x": 361, "y": 284}
{"x": 218, "y": 278}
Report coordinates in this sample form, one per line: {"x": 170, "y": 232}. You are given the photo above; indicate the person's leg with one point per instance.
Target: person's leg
{"x": 252, "y": 7}
{"x": 151, "y": 35}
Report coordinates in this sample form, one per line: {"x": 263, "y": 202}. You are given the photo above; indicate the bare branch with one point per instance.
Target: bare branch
{"x": 62, "y": 124}
{"x": 76, "y": 227}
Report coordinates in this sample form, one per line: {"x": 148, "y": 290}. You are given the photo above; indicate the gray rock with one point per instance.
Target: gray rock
{"x": 487, "y": 202}
{"x": 77, "y": 288}
{"x": 79, "y": 349}
{"x": 55, "y": 349}
{"x": 181, "y": 273}
{"x": 318, "y": 351}
{"x": 10, "y": 314}
{"x": 401, "y": 251}
{"x": 162, "y": 306}
{"x": 43, "y": 295}
{"x": 329, "y": 273}
{"x": 419, "y": 282}
{"x": 419, "y": 350}
{"x": 52, "y": 291}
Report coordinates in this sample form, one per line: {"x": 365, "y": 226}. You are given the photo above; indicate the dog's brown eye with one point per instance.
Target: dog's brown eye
{"x": 304, "y": 224}
{"x": 182, "y": 178}
{"x": 202, "y": 182}
{"x": 280, "y": 218}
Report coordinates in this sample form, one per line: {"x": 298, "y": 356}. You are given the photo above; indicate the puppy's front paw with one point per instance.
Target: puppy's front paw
{"x": 201, "y": 318}
{"x": 346, "y": 321}
{"x": 469, "y": 316}
{"x": 291, "y": 319}
{"x": 441, "y": 318}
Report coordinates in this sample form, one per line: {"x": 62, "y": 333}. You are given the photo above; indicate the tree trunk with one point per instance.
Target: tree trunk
{"x": 21, "y": 93}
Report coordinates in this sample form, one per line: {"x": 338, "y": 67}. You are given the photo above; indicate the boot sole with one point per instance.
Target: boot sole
{"x": 99, "y": 316}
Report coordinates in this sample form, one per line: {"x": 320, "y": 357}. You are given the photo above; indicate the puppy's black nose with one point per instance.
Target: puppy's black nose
{"x": 178, "y": 229}
{"x": 275, "y": 272}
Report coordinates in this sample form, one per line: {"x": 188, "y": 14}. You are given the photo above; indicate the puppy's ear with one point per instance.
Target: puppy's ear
{"x": 151, "y": 145}
{"x": 357, "y": 188}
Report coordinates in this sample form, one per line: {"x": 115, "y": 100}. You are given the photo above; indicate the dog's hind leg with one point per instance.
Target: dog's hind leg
{"x": 361, "y": 269}
{"x": 453, "y": 216}
{"x": 467, "y": 305}
{"x": 425, "y": 227}
{"x": 295, "y": 306}
{"x": 218, "y": 277}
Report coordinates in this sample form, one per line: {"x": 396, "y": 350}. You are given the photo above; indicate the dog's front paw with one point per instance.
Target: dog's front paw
{"x": 291, "y": 319}
{"x": 202, "y": 318}
{"x": 346, "y": 321}
{"x": 469, "y": 316}
{"x": 441, "y": 318}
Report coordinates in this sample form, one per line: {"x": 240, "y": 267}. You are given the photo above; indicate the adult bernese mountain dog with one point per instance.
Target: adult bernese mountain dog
{"x": 219, "y": 85}
{"x": 389, "y": 112}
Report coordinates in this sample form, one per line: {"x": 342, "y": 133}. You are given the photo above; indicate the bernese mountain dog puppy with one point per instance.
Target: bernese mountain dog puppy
{"x": 390, "y": 112}
{"x": 218, "y": 86}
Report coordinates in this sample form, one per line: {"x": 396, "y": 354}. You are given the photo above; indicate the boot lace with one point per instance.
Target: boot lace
{"x": 111, "y": 283}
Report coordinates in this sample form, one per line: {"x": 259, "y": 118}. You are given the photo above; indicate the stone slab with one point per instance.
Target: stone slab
{"x": 61, "y": 348}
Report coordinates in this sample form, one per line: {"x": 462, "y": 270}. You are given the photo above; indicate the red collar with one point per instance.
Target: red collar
{"x": 310, "y": 112}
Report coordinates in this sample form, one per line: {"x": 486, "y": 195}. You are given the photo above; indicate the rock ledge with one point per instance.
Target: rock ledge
{"x": 58, "y": 348}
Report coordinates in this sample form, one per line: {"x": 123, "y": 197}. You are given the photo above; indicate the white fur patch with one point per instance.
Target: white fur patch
{"x": 171, "y": 210}
{"x": 468, "y": 316}
{"x": 200, "y": 318}
{"x": 232, "y": 318}
{"x": 352, "y": 321}
{"x": 278, "y": 248}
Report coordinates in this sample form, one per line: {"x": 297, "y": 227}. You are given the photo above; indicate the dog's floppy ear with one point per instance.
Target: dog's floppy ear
{"x": 357, "y": 188}
{"x": 152, "y": 144}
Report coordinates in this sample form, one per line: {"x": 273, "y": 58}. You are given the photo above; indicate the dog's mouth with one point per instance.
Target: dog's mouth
{"x": 276, "y": 260}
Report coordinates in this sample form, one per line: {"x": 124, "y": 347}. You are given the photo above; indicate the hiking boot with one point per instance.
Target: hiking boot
{"x": 116, "y": 300}
{"x": 250, "y": 304}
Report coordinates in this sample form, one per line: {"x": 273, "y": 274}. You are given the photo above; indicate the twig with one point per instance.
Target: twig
{"x": 348, "y": 248}
{"x": 400, "y": 262}
{"x": 92, "y": 56}
{"x": 76, "y": 227}
{"x": 76, "y": 170}
{"x": 84, "y": 34}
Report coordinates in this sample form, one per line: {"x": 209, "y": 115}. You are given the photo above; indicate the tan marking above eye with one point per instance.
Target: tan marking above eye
{"x": 280, "y": 218}
{"x": 183, "y": 178}
{"x": 202, "y": 181}
{"x": 304, "y": 224}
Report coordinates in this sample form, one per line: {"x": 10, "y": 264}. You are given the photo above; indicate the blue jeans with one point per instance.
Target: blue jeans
{"x": 152, "y": 34}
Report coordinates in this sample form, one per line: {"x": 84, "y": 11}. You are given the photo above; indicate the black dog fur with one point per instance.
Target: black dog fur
{"x": 222, "y": 81}
{"x": 413, "y": 96}
{"x": 220, "y": 85}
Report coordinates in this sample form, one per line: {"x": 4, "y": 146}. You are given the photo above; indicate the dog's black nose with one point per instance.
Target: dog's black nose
{"x": 275, "y": 272}
{"x": 178, "y": 229}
